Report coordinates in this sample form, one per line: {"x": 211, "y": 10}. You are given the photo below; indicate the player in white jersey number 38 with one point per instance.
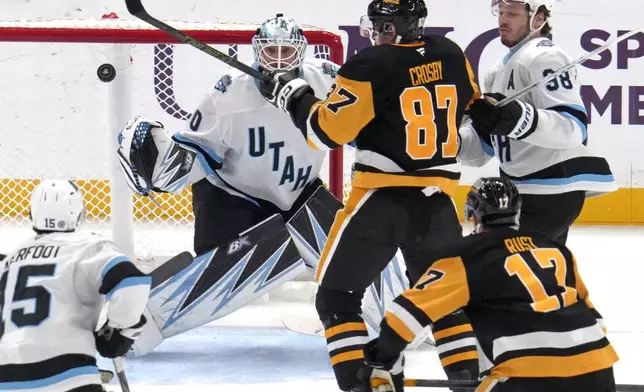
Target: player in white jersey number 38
{"x": 52, "y": 290}
{"x": 540, "y": 139}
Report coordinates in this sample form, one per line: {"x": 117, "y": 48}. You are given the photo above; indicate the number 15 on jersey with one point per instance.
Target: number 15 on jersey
{"x": 22, "y": 291}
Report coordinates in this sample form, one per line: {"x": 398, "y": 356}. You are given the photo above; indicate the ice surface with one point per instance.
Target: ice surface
{"x": 250, "y": 350}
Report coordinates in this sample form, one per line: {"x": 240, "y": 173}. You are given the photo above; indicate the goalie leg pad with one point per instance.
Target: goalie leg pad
{"x": 310, "y": 225}
{"x": 225, "y": 279}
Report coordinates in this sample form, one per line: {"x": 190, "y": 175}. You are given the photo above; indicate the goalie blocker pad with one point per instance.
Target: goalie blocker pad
{"x": 187, "y": 295}
{"x": 309, "y": 228}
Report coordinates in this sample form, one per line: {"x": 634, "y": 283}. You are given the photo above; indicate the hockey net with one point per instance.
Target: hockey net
{"x": 60, "y": 121}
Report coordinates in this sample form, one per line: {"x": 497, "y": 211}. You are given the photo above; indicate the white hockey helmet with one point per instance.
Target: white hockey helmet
{"x": 534, "y": 6}
{"x": 56, "y": 205}
{"x": 279, "y": 44}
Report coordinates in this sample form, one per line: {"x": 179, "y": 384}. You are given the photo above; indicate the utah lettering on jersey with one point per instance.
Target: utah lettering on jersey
{"x": 258, "y": 146}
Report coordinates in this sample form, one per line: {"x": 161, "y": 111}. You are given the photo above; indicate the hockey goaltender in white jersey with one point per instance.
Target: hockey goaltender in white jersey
{"x": 234, "y": 124}
{"x": 253, "y": 162}
{"x": 261, "y": 213}
{"x": 540, "y": 139}
{"x": 52, "y": 290}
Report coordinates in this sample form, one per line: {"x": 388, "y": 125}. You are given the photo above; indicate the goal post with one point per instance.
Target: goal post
{"x": 59, "y": 120}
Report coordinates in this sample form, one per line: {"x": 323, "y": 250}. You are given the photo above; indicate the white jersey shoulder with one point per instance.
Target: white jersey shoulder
{"x": 531, "y": 62}
{"x": 247, "y": 146}
{"x": 236, "y": 91}
{"x": 55, "y": 286}
{"x": 553, "y": 157}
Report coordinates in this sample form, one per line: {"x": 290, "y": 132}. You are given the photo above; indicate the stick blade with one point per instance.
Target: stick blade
{"x": 303, "y": 319}
{"x": 134, "y": 7}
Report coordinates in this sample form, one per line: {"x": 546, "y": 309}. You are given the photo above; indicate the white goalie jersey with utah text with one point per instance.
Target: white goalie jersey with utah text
{"x": 52, "y": 290}
{"x": 554, "y": 158}
{"x": 250, "y": 148}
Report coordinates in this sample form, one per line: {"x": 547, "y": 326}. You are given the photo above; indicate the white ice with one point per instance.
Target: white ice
{"x": 250, "y": 350}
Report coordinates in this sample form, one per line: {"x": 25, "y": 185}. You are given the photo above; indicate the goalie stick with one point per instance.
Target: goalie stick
{"x": 135, "y": 7}
{"x": 566, "y": 68}
{"x": 472, "y": 385}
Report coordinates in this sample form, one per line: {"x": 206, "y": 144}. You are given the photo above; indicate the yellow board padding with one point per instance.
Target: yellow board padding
{"x": 14, "y": 201}
{"x": 623, "y": 207}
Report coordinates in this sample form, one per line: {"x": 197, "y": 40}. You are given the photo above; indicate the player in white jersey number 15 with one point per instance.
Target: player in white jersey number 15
{"x": 540, "y": 139}
{"x": 261, "y": 213}
{"x": 52, "y": 290}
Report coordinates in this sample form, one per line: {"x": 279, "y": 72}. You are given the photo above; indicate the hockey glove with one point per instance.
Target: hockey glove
{"x": 113, "y": 342}
{"x": 379, "y": 375}
{"x": 516, "y": 120}
{"x": 285, "y": 89}
{"x": 150, "y": 160}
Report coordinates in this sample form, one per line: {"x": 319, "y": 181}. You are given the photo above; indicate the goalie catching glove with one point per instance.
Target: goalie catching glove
{"x": 150, "y": 160}
{"x": 381, "y": 374}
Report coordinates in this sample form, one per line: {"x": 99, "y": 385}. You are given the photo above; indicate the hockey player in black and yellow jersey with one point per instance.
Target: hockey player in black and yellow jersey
{"x": 524, "y": 296}
{"x": 401, "y": 101}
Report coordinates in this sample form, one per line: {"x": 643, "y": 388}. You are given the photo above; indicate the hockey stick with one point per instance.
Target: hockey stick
{"x": 135, "y": 7}
{"x": 566, "y": 68}
{"x": 120, "y": 373}
{"x": 467, "y": 384}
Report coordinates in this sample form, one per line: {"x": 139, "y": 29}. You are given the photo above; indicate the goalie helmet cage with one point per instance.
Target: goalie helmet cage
{"x": 112, "y": 41}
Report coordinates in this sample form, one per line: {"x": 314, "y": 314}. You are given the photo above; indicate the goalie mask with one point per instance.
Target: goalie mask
{"x": 56, "y": 205}
{"x": 532, "y": 6}
{"x": 279, "y": 44}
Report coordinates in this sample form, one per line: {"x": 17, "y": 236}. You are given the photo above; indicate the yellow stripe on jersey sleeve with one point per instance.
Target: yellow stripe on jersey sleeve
{"x": 347, "y": 110}
{"x": 399, "y": 327}
{"x": 442, "y": 290}
{"x": 582, "y": 291}
{"x": 477, "y": 92}
{"x": 445, "y": 333}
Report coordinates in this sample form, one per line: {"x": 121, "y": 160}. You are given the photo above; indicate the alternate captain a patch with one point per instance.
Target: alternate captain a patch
{"x": 511, "y": 81}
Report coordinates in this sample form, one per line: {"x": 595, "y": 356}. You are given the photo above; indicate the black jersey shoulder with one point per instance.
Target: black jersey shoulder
{"x": 375, "y": 63}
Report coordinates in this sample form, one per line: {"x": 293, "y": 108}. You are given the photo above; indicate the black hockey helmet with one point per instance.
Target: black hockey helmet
{"x": 493, "y": 201}
{"x": 406, "y": 16}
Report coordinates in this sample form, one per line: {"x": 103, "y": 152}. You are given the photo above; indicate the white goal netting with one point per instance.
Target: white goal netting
{"x": 60, "y": 121}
